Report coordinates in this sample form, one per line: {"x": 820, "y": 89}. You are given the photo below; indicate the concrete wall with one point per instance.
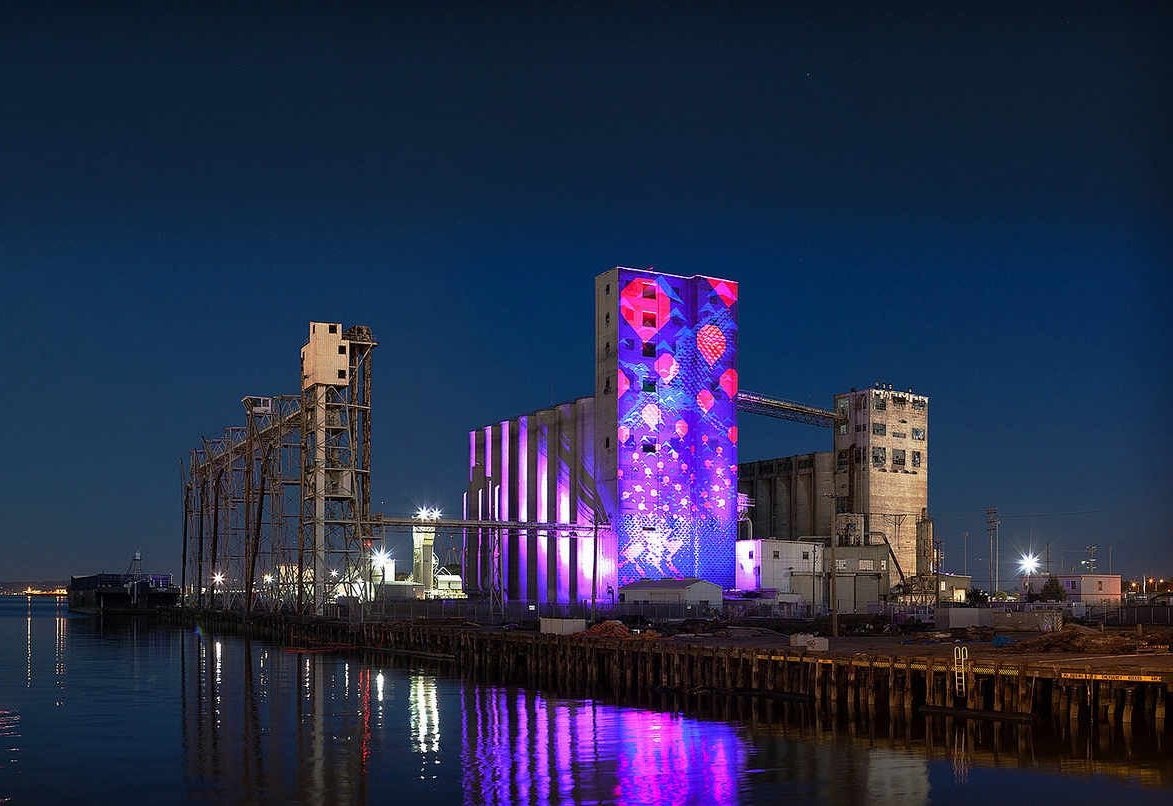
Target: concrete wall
{"x": 792, "y": 495}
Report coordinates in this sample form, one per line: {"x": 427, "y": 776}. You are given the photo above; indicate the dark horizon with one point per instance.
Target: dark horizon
{"x": 972, "y": 205}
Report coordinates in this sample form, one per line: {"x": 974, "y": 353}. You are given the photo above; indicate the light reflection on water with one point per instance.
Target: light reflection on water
{"x": 170, "y": 715}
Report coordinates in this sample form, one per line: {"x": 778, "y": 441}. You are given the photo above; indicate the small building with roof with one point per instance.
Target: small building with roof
{"x": 689, "y": 591}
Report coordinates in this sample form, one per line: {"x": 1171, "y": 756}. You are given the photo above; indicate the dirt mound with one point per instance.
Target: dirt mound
{"x": 615, "y": 629}
{"x": 1076, "y": 638}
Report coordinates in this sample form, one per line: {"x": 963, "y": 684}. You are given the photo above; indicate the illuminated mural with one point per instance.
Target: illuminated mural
{"x": 676, "y": 365}
{"x": 652, "y": 456}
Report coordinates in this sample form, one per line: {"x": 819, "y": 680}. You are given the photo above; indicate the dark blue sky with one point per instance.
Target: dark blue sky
{"x": 973, "y": 205}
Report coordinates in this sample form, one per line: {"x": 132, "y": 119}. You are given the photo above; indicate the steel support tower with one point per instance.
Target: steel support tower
{"x": 333, "y": 555}
{"x": 272, "y": 507}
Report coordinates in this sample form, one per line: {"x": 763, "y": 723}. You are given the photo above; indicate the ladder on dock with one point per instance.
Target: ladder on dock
{"x": 960, "y": 659}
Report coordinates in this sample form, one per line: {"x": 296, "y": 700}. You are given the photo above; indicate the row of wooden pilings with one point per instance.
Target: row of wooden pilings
{"x": 856, "y": 688}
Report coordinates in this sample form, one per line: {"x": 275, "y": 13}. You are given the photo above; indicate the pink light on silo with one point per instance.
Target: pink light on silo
{"x": 541, "y": 561}
{"x": 503, "y": 508}
{"x": 488, "y": 451}
{"x": 523, "y": 504}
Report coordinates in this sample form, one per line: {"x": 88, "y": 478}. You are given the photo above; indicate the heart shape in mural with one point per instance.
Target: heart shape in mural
{"x": 705, "y": 399}
{"x": 710, "y": 341}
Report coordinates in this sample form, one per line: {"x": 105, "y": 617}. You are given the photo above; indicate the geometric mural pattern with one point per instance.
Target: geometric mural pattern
{"x": 677, "y": 432}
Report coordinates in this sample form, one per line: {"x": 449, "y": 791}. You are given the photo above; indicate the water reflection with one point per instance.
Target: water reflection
{"x": 520, "y": 747}
{"x": 61, "y": 634}
{"x": 265, "y": 724}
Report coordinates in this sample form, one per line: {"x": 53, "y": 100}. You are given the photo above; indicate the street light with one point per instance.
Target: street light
{"x": 380, "y": 559}
{"x": 1028, "y": 564}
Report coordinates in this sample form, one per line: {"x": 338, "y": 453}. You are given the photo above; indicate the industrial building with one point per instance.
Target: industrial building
{"x": 539, "y": 468}
{"x": 872, "y": 489}
{"x": 1094, "y": 589}
{"x": 799, "y": 572}
{"x": 689, "y": 591}
{"x": 637, "y": 482}
{"x": 642, "y": 480}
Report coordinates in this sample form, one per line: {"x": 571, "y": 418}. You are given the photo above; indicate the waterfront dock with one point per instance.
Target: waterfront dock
{"x": 859, "y": 679}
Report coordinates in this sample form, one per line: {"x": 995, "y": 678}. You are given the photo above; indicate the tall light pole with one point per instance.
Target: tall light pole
{"x": 831, "y": 539}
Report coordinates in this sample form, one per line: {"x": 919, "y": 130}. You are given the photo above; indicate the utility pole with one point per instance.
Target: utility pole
{"x": 992, "y": 531}
{"x": 965, "y": 553}
{"x": 834, "y": 569}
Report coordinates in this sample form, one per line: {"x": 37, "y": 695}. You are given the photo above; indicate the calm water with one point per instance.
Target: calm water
{"x": 163, "y": 715}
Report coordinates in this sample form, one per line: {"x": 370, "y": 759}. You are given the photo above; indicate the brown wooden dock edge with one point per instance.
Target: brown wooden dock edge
{"x": 1079, "y": 691}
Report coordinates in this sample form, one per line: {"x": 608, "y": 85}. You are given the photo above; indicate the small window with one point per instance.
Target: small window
{"x": 341, "y": 349}
{"x": 607, "y": 318}
{"x": 879, "y": 457}
{"x": 649, "y": 319}
{"x": 1099, "y": 586}
{"x": 898, "y": 457}
{"x": 649, "y": 291}
{"x": 841, "y": 565}
{"x": 333, "y": 328}
{"x": 879, "y": 429}
{"x": 916, "y": 458}
{"x": 842, "y": 428}
{"x": 649, "y": 350}
{"x": 806, "y": 555}
{"x": 607, "y": 386}
{"x": 649, "y": 446}
{"x": 777, "y": 555}
{"x": 918, "y": 404}
{"x": 649, "y": 385}
{"x": 607, "y": 290}
{"x": 607, "y": 442}
{"x": 341, "y": 374}
{"x": 879, "y": 404}
{"x": 867, "y": 565}
{"x": 899, "y": 435}
{"x": 607, "y": 348}
{"x": 858, "y": 455}
{"x": 918, "y": 433}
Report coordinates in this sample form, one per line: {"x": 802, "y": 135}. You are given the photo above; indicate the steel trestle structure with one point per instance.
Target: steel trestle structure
{"x": 272, "y": 507}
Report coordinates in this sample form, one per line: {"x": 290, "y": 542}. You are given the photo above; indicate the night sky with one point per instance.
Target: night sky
{"x": 974, "y": 206}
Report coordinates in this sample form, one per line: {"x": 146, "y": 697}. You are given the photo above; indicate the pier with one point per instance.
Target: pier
{"x": 859, "y": 680}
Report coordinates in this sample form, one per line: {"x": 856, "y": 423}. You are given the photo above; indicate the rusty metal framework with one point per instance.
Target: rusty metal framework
{"x": 238, "y": 519}
{"x": 270, "y": 508}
